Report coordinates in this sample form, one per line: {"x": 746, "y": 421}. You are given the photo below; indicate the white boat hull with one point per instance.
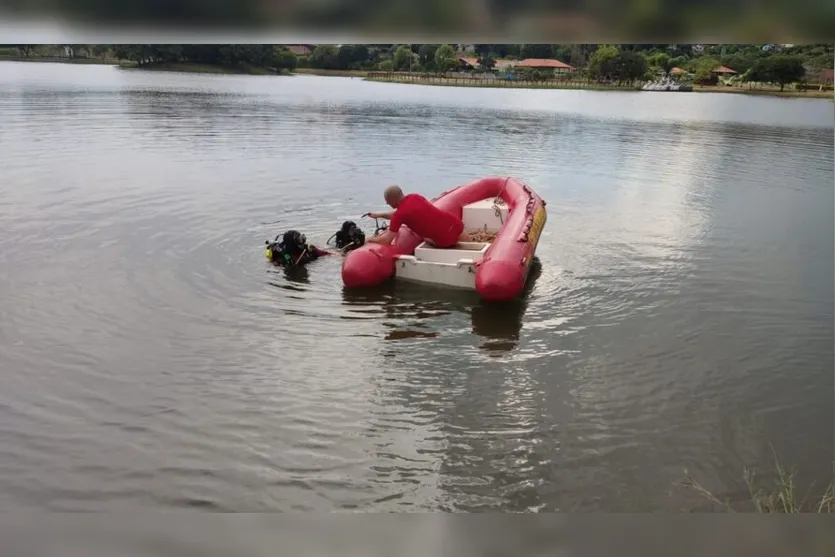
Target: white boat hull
{"x": 454, "y": 267}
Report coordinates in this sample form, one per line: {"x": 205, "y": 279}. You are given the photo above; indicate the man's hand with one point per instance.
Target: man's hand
{"x": 378, "y": 215}
{"x": 384, "y": 238}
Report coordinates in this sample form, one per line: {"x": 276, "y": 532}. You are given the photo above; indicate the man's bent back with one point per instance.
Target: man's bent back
{"x": 435, "y": 225}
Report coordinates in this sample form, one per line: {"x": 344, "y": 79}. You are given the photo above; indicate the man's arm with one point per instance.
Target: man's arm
{"x": 381, "y": 215}
{"x": 384, "y": 238}
{"x": 318, "y": 252}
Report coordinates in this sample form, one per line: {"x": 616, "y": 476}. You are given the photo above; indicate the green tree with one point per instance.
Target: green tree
{"x": 325, "y": 57}
{"x": 100, "y": 50}
{"x": 603, "y": 62}
{"x": 822, "y": 61}
{"x": 483, "y": 49}
{"x": 703, "y": 68}
{"x": 487, "y": 62}
{"x": 503, "y": 50}
{"x": 537, "y": 51}
{"x": 426, "y": 56}
{"x": 386, "y": 66}
{"x": 759, "y": 72}
{"x": 25, "y": 49}
{"x": 678, "y": 62}
{"x": 562, "y": 52}
{"x": 742, "y": 60}
{"x": 780, "y": 68}
{"x": 262, "y": 56}
{"x": 631, "y": 65}
{"x": 402, "y": 58}
{"x": 283, "y": 59}
{"x": 445, "y": 58}
{"x": 662, "y": 61}
{"x": 352, "y": 56}
{"x": 680, "y": 50}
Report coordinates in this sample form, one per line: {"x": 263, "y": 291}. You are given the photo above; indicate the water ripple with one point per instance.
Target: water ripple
{"x": 679, "y": 314}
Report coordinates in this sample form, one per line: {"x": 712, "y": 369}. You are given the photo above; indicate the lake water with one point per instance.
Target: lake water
{"x": 681, "y": 316}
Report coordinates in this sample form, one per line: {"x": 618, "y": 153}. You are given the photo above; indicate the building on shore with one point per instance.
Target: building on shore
{"x": 820, "y": 76}
{"x": 723, "y": 71}
{"x": 545, "y": 64}
{"x": 467, "y": 63}
{"x": 300, "y": 49}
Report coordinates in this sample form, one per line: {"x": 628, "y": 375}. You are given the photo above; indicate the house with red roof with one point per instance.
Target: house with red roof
{"x": 300, "y": 49}
{"x": 546, "y": 64}
{"x": 469, "y": 63}
{"x": 723, "y": 71}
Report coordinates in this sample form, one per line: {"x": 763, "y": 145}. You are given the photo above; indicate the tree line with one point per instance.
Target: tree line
{"x": 621, "y": 63}
{"x": 256, "y": 55}
{"x": 627, "y": 65}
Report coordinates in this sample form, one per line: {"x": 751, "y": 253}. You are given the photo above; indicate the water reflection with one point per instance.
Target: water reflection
{"x": 407, "y": 307}
{"x": 297, "y": 275}
{"x": 683, "y": 316}
{"x": 500, "y": 324}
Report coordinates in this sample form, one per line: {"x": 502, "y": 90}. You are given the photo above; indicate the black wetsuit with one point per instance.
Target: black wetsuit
{"x": 292, "y": 250}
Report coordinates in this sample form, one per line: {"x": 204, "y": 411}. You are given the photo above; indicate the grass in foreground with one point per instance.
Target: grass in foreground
{"x": 781, "y": 497}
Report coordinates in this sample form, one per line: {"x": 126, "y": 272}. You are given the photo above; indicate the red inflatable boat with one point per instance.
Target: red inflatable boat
{"x": 500, "y": 266}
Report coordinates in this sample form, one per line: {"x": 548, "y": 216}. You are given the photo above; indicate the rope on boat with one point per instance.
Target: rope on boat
{"x": 482, "y": 236}
{"x": 498, "y": 201}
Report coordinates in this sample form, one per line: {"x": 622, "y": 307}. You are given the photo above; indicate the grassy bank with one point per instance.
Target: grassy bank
{"x": 495, "y": 83}
{"x": 198, "y": 68}
{"x": 335, "y": 73}
{"x": 770, "y": 92}
{"x": 59, "y": 60}
{"x": 415, "y": 79}
{"x": 186, "y": 67}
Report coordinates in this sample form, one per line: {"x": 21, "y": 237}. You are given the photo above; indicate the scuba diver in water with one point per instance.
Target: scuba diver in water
{"x": 349, "y": 237}
{"x": 292, "y": 250}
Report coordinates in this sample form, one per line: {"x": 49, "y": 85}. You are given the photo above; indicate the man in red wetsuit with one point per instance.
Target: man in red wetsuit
{"x": 438, "y": 227}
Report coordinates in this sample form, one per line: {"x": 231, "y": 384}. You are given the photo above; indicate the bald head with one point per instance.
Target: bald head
{"x": 393, "y": 195}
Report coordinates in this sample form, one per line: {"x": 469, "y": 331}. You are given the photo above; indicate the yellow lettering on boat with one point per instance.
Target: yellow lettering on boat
{"x": 537, "y": 226}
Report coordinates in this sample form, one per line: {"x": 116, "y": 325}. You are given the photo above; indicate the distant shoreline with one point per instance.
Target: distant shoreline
{"x": 60, "y": 60}
{"x": 788, "y": 93}
{"x": 411, "y": 79}
{"x": 188, "y": 67}
{"x": 437, "y": 81}
{"x": 332, "y": 73}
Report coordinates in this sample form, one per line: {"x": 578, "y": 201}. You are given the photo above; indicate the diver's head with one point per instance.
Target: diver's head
{"x": 294, "y": 241}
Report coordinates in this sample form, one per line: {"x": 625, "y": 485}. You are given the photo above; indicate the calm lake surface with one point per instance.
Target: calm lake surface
{"x": 681, "y": 316}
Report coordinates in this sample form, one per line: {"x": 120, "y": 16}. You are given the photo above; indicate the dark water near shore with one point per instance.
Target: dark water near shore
{"x": 682, "y": 315}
